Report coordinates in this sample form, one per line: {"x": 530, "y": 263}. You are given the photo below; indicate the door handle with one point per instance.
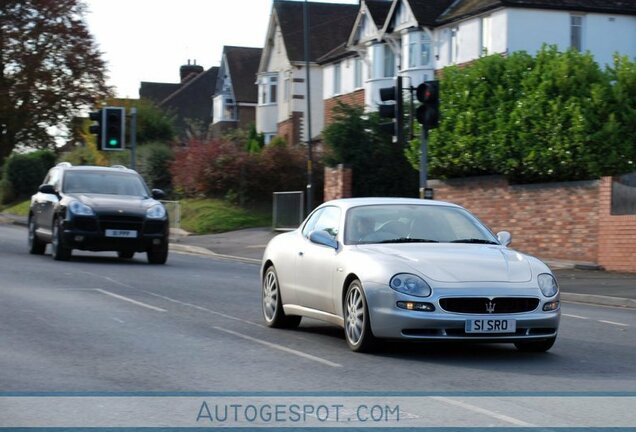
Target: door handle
{"x": 301, "y": 253}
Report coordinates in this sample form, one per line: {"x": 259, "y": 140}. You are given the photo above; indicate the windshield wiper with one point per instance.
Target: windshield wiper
{"x": 409, "y": 240}
{"x": 474, "y": 240}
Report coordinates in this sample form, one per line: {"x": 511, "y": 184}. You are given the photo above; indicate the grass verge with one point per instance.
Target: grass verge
{"x": 206, "y": 216}
{"x": 18, "y": 209}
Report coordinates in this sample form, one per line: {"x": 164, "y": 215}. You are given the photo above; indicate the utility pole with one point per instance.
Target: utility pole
{"x": 310, "y": 192}
{"x": 133, "y": 138}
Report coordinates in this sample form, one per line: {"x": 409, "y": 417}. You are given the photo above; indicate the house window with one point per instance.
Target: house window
{"x": 486, "y": 36}
{"x": 389, "y": 62}
{"x": 337, "y": 78}
{"x": 419, "y": 49}
{"x": 268, "y": 90}
{"x": 357, "y": 73}
{"x": 454, "y": 48}
{"x": 383, "y": 61}
{"x": 576, "y": 32}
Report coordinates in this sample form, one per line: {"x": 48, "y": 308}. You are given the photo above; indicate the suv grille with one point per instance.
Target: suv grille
{"x": 121, "y": 222}
{"x": 483, "y": 305}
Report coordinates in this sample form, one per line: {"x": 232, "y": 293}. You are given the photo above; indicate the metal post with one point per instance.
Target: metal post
{"x": 423, "y": 160}
{"x": 310, "y": 193}
{"x": 133, "y": 138}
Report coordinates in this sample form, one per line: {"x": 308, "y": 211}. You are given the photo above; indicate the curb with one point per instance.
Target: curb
{"x": 598, "y": 300}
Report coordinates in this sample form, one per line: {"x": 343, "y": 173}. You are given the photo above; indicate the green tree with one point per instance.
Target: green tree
{"x": 50, "y": 68}
{"x": 379, "y": 167}
{"x": 154, "y": 125}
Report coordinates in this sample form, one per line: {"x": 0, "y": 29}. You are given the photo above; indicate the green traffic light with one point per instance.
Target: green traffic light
{"x": 113, "y": 142}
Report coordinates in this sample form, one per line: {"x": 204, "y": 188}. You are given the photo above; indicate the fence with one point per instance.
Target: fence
{"x": 287, "y": 210}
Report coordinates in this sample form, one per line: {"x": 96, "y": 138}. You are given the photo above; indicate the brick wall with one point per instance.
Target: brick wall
{"x": 617, "y": 234}
{"x": 337, "y": 182}
{"x": 556, "y": 220}
{"x": 290, "y": 129}
{"x": 354, "y": 98}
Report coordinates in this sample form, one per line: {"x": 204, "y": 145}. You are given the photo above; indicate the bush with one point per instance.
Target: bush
{"x": 220, "y": 169}
{"x": 553, "y": 117}
{"x": 154, "y": 162}
{"x": 23, "y": 173}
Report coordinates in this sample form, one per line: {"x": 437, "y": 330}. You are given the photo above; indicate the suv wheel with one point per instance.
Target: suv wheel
{"x": 59, "y": 250}
{"x": 158, "y": 254}
{"x": 36, "y": 246}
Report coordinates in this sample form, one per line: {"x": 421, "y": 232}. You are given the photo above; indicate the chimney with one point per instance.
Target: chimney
{"x": 189, "y": 71}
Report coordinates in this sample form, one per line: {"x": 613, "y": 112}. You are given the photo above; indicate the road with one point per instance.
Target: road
{"x": 100, "y": 324}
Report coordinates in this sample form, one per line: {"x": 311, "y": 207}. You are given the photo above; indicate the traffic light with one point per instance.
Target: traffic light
{"x": 97, "y": 129}
{"x": 394, "y": 111}
{"x": 428, "y": 112}
{"x": 114, "y": 129}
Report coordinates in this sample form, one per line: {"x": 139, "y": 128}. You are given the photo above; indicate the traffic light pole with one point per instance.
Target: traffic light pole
{"x": 423, "y": 160}
{"x": 133, "y": 138}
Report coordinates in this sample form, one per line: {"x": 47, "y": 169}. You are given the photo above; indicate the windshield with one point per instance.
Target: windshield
{"x": 104, "y": 182}
{"x": 401, "y": 223}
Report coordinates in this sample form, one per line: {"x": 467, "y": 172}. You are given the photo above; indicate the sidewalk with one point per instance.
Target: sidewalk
{"x": 247, "y": 245}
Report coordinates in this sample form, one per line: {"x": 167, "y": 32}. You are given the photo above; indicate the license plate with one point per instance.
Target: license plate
{"x": 491, "y": 325}
{"x": 121, "y": 233}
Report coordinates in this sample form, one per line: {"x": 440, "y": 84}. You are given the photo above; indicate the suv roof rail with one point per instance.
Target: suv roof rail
{"x": 64, "y": 164}
{"x": 118, "y": 166}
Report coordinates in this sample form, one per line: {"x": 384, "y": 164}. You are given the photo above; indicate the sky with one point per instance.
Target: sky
{"x": 148, "y": 40}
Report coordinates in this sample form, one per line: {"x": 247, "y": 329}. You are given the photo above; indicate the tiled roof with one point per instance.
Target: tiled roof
{"x": 329, "y": 26}
{"x": 243, "y": 64}
{"x": 465, "y": 8}
{"x": 157, "y": 92}
{"x": 426, "y": 12}
{"x": 337, "y": 53}
{"x": 379, "y": 9}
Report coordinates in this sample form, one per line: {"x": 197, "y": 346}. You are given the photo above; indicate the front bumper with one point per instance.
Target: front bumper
{"x": 389, "y": 321}
{"x": 89, "y": 234}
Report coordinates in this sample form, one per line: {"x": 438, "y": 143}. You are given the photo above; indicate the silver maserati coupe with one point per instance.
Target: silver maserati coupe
{"x": 398, "y": 268}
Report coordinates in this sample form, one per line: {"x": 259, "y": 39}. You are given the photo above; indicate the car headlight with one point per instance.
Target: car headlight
{"x": 548, "y": 284}
{"x": 410, "y": 284}
{"x": 80, "y": 209}
{"x": 156, "y": 212}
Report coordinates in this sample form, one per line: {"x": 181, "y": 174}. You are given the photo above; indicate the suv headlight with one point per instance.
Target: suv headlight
{"x": 548, "y": 284}
{"x": 156, "y": 212}
{"x": 410, "y": 284}
{"x": 80, "y": 209}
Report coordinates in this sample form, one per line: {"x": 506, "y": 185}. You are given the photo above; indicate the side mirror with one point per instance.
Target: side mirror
{"x": 47, "y": 189}
{"x": 504, "y": 238}
{"x": 158, "y": 194}
{"x": 323, "y": 238}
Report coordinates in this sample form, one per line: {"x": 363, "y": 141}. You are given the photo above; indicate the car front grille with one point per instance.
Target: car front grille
{"x": 121, "y": 222}
{"x": 485, "y": 305}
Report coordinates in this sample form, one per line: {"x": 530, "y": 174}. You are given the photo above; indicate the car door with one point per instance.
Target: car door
{"x": 317, "y": 264}
{"x": 43, "y": 204}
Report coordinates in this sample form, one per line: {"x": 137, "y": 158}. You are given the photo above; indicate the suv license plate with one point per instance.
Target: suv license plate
{"x": 121, "y": 233}
{"x": 491, "y": 326}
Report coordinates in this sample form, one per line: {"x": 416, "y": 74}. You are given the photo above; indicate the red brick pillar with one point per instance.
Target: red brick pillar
{"x": 337, "y": 182}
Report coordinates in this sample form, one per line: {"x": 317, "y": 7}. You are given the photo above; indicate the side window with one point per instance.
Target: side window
{"x": 329, "y": 221}
{"x": 311, "y": 223}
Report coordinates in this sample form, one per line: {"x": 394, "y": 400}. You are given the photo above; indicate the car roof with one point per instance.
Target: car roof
{"x": 347, "y": 203}
{"x": 116, "y": 168}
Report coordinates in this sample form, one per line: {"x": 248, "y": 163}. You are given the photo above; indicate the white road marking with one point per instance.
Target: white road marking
{"x": 575, "y": 316}
{"x": 201, "y": 308}
{"x": 614, "y": 323}
{"x": 281, "y": 348}
{"x": 118, "y": 320}
{"x": 479, "y": 410}
{"x": 138, "y": 303}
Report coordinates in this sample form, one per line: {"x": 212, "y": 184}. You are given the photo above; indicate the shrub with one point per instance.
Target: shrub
{"x": 23, "y": 173}
{"x": 154, "y": 165}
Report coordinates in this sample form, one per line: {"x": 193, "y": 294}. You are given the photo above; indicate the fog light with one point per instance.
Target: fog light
{"x": 156, "y": 242}
{"x": 79, "y": 238}
{"x": 417, "y": 306}
{"x": 552, "y": 306}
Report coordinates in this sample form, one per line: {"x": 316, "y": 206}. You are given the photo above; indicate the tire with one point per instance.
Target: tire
{"x": 36, "y": 246}
{"x": 273, "y": 312}
{"x": 158, "y": 255}
{"x": 357, "y": 324}
{"x": 59, "y": 251}
{"x": 126, "y": 254}
{"x": 538, "y": 346}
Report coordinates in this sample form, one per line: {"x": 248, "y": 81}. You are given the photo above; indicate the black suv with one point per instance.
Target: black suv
{"x": 98, "y": 209}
